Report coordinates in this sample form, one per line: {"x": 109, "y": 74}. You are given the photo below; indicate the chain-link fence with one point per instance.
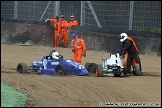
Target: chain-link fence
{"x": 127, "y": 15}
{"x": 130, "y": 15}
{"x": 28, "y": 10}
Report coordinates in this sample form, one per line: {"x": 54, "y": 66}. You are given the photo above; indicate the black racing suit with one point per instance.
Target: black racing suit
{"x": 132, "y": 53}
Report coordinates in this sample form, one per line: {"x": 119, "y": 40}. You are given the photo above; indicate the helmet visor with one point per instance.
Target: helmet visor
{"x": 121, "y": 40}
{"x": 121, "y": 37}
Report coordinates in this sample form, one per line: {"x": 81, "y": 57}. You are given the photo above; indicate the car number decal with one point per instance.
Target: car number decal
{"x": 45, "y": 63}
{"x": 68, "y": 61}
{"x": 54, "y": 63}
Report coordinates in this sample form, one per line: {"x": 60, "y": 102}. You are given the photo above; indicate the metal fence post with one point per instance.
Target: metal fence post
{"x": 45, "y": 10}
{"x": 131, "y": 15}
{"x": 94, "y": 14}
{"x": 82, "y": 13}
{"x": 56, "y": 8}
{"x": 15, "y": 9}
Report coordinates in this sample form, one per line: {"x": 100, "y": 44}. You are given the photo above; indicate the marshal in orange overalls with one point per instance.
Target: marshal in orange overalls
{"x": 125, "y": 52}
{"x": 78, "y": 47}
{"x": 73, "y": 22}
{"x": 64, "y": 25}
{"x": 56, "y": 30}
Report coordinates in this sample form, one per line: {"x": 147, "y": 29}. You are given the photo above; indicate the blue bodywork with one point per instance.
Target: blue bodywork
{"x": 47, "y": 66}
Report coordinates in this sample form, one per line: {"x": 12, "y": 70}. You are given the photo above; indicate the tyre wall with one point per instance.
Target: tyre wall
{"x": 97, "y": 39}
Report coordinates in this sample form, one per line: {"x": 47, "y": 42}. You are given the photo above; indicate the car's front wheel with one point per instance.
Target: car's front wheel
{"x": 60, "y": 70}
{"x": 137, "y": 69}
{"x": 99, "y": 70}
{"x": 22, "y": 68}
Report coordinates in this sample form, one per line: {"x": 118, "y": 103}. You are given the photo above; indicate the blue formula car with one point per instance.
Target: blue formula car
{"x": 54, "y": 64}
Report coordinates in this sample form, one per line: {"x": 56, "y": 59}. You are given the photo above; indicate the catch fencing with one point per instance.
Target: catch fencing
{"x": 125, "y": 15}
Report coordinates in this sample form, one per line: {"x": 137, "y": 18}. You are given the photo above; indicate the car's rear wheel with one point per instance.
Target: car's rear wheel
{"x": 60, "y": 70}
{"x": 22, "y": 68}
{"x": 91, "y": 67}
{"x": 87, "y": 66}
{"x": 137, "y": 69}
{"x": 99, "y": 70}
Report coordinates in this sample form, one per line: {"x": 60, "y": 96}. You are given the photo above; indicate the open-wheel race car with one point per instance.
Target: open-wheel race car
{"x": 53, "y": 64}
{"x": 112, "y": 66}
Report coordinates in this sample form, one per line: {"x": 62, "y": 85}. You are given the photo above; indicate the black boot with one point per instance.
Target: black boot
{"x": 127, "y": 73}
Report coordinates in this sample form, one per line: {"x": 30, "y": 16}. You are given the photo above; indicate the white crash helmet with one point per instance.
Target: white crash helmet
{"x": 123, "y": 37}
{"x": 55, "y": 55}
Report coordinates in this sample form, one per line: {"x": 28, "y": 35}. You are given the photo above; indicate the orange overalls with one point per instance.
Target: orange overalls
{"x": 78, "y": 46}
{"x": 133, "y": 61}
{"x": 56, "y": 31}
{"x": 64, "y": 25}
{"x": 72, "y": 23}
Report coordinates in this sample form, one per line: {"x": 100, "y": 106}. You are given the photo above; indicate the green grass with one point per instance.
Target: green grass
{"x": 156, "y": 30}
{"x": 10, "y": 97}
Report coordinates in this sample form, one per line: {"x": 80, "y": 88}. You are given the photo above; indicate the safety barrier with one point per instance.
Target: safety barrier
{"x": 97, "y": 39}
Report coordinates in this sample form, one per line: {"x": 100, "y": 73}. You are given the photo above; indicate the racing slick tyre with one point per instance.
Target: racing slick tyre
{"x": 99, "y": 70}
{"x": 87, "y": 65}
{"x": 137, "y": 69}
{"x": 117, "y": 72}
{"x": 22, "y": 68}
{"x": 125, "y": 68}
{"x": 91, "y": 67}
{"x": 60, "y": 70}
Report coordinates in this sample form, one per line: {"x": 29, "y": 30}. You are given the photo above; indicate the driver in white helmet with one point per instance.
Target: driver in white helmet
{"x": 129, "y": 47}
{"x": 55, "y": 56}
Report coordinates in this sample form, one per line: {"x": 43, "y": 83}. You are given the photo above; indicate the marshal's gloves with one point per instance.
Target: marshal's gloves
{"x": 119, "y": 51}
{"x": 46, "y": 20}
{"x": 123, "y": 56}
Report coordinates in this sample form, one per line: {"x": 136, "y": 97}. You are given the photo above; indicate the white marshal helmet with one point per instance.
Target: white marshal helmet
{"x": 55, "y": 55}
{"x": 123, "y": 37}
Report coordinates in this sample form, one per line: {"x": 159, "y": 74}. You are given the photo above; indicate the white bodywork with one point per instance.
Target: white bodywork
{"x": 113, "y": 61}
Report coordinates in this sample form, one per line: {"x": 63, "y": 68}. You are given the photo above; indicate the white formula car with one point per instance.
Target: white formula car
{"x": 112, "y": 66}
